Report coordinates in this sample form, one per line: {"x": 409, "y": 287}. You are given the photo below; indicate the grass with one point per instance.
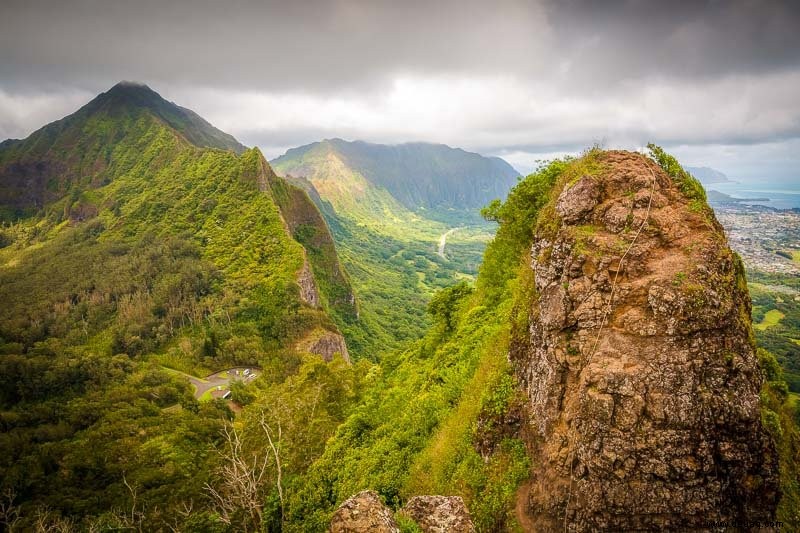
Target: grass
{"x": 206, "y": 396}
{"x": 184, "y": 374}
{"x": 793, "y": 401}
{"x": 771, "y": 318}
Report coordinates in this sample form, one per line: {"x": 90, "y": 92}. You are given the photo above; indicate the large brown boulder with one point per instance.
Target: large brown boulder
{"x": 641, "y": 375}
{"x": 440, "y": 514}
{"x": 363, "y": 513}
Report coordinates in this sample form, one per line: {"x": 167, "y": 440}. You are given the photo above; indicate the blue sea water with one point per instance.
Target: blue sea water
{"x": 780, "y": 195}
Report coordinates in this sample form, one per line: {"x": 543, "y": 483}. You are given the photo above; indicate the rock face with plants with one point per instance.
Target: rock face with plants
{"x": 636, "y": 355}
{"x": 440, "y": 514}
{"x": 362, "y": 513}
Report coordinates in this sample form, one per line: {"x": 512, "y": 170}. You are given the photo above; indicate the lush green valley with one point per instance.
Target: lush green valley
{"x": 140, "y": 245}
{"x": 388, "y": 208}
{"x": 776, "y": 316}
{"x": 145, "y": 252}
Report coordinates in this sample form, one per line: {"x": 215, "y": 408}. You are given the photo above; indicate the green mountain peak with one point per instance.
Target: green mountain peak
{"x": 134, "y": 96}
{"x": 77, "y": 151}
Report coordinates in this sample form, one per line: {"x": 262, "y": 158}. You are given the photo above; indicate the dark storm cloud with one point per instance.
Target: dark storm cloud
{"x": 690, "y": 39}
{"x": 341, "y": 45}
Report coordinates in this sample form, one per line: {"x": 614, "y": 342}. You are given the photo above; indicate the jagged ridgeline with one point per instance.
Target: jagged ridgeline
{"x": 601, "y": 374}
{"x": 150, "y": 226}
{"x": 137, "y": 237}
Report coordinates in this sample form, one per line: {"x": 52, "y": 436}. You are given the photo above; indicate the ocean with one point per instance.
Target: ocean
{"x": 781, "y": 195}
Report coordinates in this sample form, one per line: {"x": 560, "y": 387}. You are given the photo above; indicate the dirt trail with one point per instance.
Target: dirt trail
{"x": 520, "y": 507}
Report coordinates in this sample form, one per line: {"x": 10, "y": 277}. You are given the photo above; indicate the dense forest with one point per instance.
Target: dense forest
{"x": 162, "y": 249}
{"x": 387, "y": 208}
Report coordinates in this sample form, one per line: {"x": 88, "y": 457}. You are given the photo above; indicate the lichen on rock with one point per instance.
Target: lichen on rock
{"x": 641, "y": 375}
{"x": 440, "y": 514}
{"x": 363, "y": 513}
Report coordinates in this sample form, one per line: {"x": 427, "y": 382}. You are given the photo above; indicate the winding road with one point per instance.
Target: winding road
{"x": 219, "y": 379}
{"x": 443, "y": 241}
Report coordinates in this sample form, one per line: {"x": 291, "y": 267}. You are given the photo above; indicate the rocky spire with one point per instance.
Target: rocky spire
{"x": 639, "y": 362}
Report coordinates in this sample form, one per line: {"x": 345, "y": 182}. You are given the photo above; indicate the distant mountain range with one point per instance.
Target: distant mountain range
{"x": 717, "y": 197}
{"x": 708, "y": 175}
{"x": 417, "y": 175}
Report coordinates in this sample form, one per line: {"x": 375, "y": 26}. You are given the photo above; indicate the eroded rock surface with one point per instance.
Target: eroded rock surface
{"x": 325, "y": 344}
{"x": 363, "y": 513}
{"x": 643, "y": 409}
{"x": 308, "y": 285}
{"x": 440, "y": 514}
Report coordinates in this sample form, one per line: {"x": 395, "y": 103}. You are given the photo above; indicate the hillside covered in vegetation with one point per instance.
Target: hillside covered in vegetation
{"x": 146, "y": 244}
{"x": 389, "y": 209}
{"x": 455, "y": 414}
{"x": 598, "y": 343}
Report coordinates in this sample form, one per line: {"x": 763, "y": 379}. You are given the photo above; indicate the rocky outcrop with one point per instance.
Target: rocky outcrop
{"x": 308, "y": 286}
{"x": 363, "y": 513}
{"x": 638, "y": 364}
{"x": 325, "y": 344}
{"x": 440, "y": 514}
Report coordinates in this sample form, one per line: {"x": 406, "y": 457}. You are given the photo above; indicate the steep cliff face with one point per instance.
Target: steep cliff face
{"x": 324, "y": 343}
{"x": 638, "y": 362}
{"x": 322, "y": 271}
{"x": 308, "y": 287}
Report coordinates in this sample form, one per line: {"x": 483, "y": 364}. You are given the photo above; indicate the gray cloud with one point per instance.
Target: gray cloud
{"x": 324, "y": 45}
{"x": 508, "y": 76}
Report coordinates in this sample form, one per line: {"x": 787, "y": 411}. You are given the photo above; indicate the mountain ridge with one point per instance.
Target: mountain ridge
{"x": 417, "y": 174}
{"x": 708, "y": 175}
{"x": 87, "y": 168}
{"x": 75, "y": 150}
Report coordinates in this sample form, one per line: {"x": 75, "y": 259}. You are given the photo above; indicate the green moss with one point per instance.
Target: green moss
{"x": 407, "y": 524}
{"x": 582, "y": 236}
{"x": 780, "y": 417}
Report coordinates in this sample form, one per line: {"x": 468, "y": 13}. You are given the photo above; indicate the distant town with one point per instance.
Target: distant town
{"x": 767, "y": 239}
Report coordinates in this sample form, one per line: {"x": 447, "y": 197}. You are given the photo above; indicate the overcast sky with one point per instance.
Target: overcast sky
{"x": 716, "y": 82}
